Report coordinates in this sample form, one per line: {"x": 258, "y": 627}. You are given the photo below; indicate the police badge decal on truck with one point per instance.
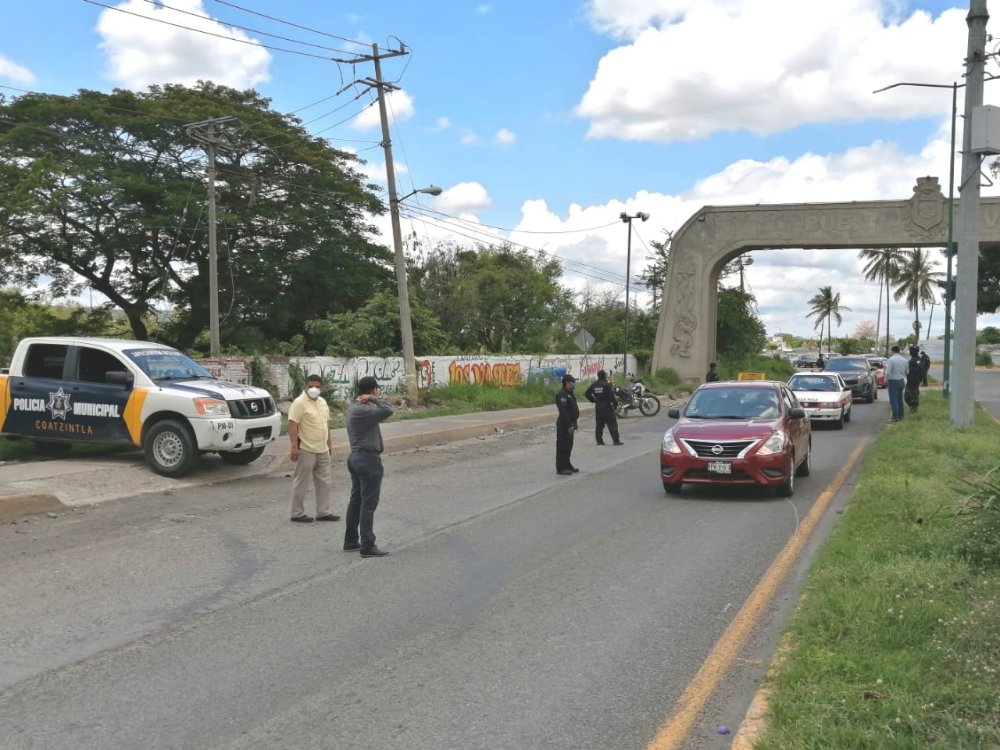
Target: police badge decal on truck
{"x": 60, "y": 390}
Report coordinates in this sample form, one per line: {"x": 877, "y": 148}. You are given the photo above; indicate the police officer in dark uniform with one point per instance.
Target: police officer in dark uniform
{"x": 566, "y": 424}
{"x": 602, "y": 393}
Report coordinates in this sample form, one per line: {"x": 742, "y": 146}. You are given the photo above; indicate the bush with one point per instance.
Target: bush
{"x": 983, "y": 358}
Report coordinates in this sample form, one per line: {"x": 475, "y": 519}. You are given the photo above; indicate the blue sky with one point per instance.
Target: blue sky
{"x": 551, "y": 118}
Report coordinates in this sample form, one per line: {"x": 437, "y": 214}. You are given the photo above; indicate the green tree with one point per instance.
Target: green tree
{"x": 21, "y": 317}
{"x": 826, "y": 307}
{"x": 374, "y": 330}
{"x": 882, "y": 264}
{"x": 739, "y": 332}
{"x": 493, "y": 298}
{"x": 989, "y": 335}
{"x": 107, "y": 190}
{"x": 654, "y": 276}
{"x": 916, "y": 281}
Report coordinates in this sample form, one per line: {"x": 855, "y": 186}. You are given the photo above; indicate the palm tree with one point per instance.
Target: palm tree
{"x": 915, "y": 281}
{"x": 826, "y": 307}
{"x": 882, "y": 265}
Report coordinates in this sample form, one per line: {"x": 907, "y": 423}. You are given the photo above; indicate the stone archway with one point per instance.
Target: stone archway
{"x": 685, "y": 336}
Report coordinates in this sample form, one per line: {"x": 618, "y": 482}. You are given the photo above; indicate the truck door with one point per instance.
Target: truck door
{"x": 38, "y": 399}
{"x": 98, "y": 406}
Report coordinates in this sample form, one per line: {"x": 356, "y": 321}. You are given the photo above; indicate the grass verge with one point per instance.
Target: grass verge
{"x": 896, "y": 641}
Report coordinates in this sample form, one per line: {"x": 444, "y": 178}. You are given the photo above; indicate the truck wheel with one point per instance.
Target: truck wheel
{"x": 170, "y": 449}
{"x": 241, "y": 458}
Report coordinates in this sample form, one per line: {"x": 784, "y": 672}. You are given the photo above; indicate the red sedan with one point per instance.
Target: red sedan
{"x": 746, "y": 433}
{"x": 878, "y": 364}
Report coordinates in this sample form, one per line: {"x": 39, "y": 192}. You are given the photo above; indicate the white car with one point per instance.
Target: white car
{"x": 824, "y": 395}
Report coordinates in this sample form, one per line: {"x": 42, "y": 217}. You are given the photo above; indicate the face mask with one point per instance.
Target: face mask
{"x": 312, "y": 392}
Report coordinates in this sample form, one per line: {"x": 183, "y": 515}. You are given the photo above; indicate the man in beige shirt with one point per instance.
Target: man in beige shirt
{"x": 309, "y": 431}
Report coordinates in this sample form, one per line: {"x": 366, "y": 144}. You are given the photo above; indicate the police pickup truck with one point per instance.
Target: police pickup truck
{"x": 59, "y": 390}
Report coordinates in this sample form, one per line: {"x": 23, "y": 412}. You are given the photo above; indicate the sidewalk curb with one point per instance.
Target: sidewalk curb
{"x": 27, "y": 503}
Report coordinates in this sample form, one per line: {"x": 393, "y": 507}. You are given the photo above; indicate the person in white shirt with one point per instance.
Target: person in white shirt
{"x": 895, "y": 380}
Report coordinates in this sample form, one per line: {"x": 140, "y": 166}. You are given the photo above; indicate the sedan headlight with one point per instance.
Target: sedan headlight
{"x": 670, "y": 445}
{"x": 211, "y": 407}
{"x": 774, "y": 444}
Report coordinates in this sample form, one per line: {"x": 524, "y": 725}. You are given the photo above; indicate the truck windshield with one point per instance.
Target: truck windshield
{"x": 167, "y": 364}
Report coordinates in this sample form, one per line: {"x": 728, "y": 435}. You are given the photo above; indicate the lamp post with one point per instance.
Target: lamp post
{"x": 627, "y": 218}
{"x": 405, "y": 324}
{"x": 950, "y": 249}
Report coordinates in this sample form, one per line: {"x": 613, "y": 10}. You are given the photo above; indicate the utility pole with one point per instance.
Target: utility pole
{"x": 204, "y": 132}
{"x": 962, "y": 386}
{"x": 405, "y": 322}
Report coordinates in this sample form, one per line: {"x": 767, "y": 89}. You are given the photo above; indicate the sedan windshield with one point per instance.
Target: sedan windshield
{"x": 733, "y": 403}
{"x": 813, "y": 383}
{"x": 846, "y": 365}
{"x": 168, "y": 364}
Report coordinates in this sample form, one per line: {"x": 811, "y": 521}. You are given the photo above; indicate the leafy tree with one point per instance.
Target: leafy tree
{"x": 866, "y": 332}
{"x": 493, "y": 298}
{"x": 989, "y": 335}
{"x": 915, "y": 281}
{"x": 106, "y": 190}
{"x": 740, "y": 333}
{"x": 826, "y": 307}
{"x": 654, "y": 276}
{"x": 21, "y": 317}
{"x": 374, "y": 330}
{"x": 882, "y": 264}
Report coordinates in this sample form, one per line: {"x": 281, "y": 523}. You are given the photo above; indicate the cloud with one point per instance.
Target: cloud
{"x": 442, "y": 123}
{"x": 399, "y": 105}
{"x": 11, "y": 71}
{"x": 463, "y": 198}
{"x": 483, "y": 8}
{"x": 468, "y": 138}
{"x": 664, "y": 84}
{"x": 505, "y": 138}
{"x": 143, "y": 52}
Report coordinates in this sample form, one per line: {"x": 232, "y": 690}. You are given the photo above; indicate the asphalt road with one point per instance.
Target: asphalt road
{"x": 519, "y": 609}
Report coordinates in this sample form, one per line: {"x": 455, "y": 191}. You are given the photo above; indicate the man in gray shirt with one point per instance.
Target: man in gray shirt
{"x": 365, "y": 466}
{"x": 895, "y": 380}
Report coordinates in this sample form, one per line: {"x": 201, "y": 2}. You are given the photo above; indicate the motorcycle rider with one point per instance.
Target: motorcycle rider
{"x": 602, "y": 394}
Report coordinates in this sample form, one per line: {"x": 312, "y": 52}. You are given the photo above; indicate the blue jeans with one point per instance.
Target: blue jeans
{"x": 366, "y": 486}
{"x": 895, "y": 388}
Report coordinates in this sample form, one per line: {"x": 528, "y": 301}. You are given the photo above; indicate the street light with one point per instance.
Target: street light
{"x": 627, "y": 218}
{"x": 405, "y": 325}
{"x": 950, "y": 249}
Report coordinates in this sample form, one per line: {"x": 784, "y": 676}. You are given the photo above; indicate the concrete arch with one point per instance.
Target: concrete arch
{"x": 685, "y": 336}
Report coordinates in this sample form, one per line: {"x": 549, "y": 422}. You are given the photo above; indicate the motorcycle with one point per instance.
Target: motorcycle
{"x": 636, "y": 396}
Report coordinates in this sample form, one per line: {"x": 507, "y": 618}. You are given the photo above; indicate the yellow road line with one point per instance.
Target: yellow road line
{"x": 677, "y": 725}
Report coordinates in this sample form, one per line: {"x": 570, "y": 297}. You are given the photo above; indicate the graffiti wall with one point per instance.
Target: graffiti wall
{"x": 343, "y": 372}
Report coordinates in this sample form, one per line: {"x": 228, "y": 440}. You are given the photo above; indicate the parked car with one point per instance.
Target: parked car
{"x": 824, "y": 395}
{"x": 738, "y": 433}
{"x": 807, "y": 362}
{"x": 878, "y": 365}
{"x": 858, "y": 374}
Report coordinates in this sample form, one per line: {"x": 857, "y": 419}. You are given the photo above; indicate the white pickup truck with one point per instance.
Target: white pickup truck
{"x": 60, "y": 390}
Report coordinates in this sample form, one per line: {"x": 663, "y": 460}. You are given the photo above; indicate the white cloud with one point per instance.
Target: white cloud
{"x": 463, "y": 198}
{"x": 442, "y": 123}
{"x": 483, "y": 8}
{"x": 468, "y": 138}
{"x": 11, "y": 71}
{"x": 143, "y": 52}
{"x": 769, "y": 66}
{"x": 505, "y": 138}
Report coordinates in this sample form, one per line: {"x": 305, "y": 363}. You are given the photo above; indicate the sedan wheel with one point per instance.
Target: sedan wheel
{"x": 839, "y": 424}
{"x": 788, "y": 488}
{"x": 847, "y": 415}
{"x": 805, "y": 468}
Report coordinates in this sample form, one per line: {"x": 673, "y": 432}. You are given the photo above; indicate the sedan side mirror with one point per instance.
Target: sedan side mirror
{"x": 796, "y": 413}
{"x": 674, "y": 413}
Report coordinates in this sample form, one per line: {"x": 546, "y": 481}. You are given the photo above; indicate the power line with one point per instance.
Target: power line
{"x": 158, "y": 4}
{"x": 210, "y": 33}
{"x": 289, "y": 23}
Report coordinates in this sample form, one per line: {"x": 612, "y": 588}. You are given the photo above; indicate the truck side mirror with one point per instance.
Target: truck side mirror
{"x": 119, "y": 377}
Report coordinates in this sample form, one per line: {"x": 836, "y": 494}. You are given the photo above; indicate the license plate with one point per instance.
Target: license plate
{"x": 720, "y": 467}
{"x": 257, "y": 442}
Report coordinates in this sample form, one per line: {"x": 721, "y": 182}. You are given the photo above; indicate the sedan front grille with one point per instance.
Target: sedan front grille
{"x": 718, "y": 448}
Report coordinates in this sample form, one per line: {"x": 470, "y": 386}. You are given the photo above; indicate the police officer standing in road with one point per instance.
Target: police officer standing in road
{"x": 566, "y": 424}
{"x": 602, "y": 393}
